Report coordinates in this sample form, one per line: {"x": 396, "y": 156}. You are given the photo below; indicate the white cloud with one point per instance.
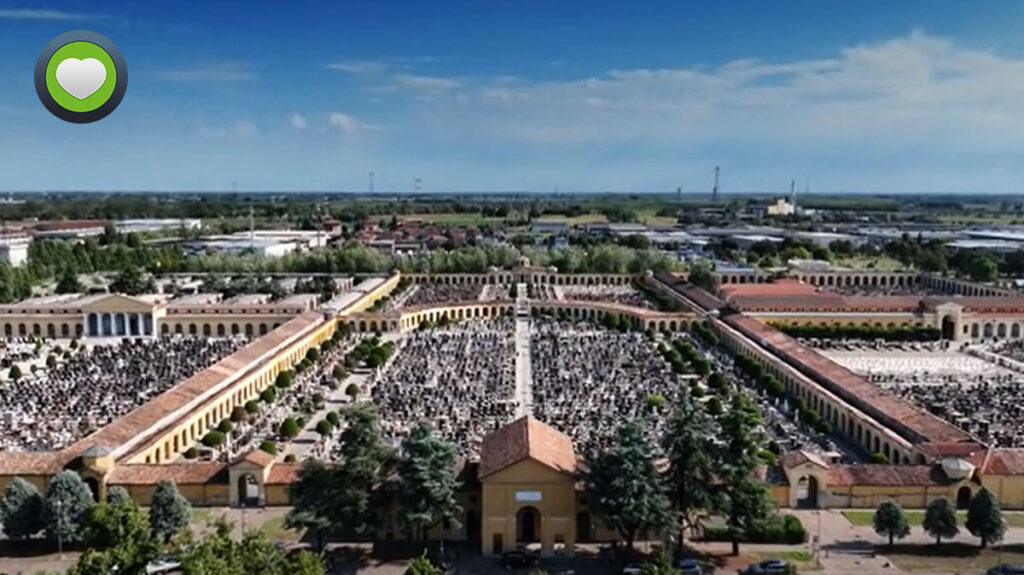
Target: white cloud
{"x": 39, "y": 14}
{"x": 238, "y": 129}
{"x": 348, "y": 124}
{"x": 298, "y": 121}
{"x": 210, "y": 73}
{"x": 916, "y": 90}
{"x": 360, "y": 67}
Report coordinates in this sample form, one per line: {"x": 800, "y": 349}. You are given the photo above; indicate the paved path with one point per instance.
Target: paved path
{"x": 524, "y": 373}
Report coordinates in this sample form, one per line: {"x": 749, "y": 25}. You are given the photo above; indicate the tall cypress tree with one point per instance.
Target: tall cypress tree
{"x": 688, "y": 445}
{"x": 427, "y": 483}
{"x": 21, "y": 509}
{"x": 985, "y": 518}
{"x": 625, "y": 489}
{"x": 169, "y": 512}
{"x": 940, "y": 520}
{"x": 740, "y": 496}
{"x": 68, "y": 499}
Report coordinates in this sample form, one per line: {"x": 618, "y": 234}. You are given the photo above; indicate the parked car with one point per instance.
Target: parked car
{"x": 631, "y": 569}
{"x": 511, "y": 559}
{"x": 1006, "y": 569}
{"x": 767, "y": 567}
{"x": 689, "y": 567}
{"x": 165, "y": 564}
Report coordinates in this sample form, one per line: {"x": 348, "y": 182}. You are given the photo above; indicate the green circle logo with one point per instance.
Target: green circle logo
{"x": 81, "y": 76}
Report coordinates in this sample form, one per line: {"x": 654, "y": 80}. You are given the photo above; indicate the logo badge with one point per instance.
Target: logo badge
{"x": 81, "y": 76}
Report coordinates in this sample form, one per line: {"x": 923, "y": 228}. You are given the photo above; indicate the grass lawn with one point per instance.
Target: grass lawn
{"x": 592, "y": 218}
{"x": 801, "y": 558}
{"x": 881, "y": 263}
{"x": 950, "y": 557}
{"x": 914, "y": 518}
{"x": 275, "y": 531}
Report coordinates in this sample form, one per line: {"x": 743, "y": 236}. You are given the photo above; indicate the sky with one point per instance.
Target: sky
{"x": 842, "y": 96}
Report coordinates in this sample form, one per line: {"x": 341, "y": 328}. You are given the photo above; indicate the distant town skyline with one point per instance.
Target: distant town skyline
{"x": 528, "y": 96}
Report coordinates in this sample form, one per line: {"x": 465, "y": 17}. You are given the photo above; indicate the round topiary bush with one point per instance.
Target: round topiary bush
{"x": 214, "y": 439}
{"x": 290, "y": 428}
{"x": 191, "y": 453}
{"x": 269, "y": 447}
{"x": 252, "y": 407}
{"x": 324, "y": 427}
{"x": 225, "y": 426}
{"x": 333, "y": 418}
{"x": 269, "y": 395}
{"x": 290, "y": 458}
{"x": 239, "y": 414}
{"x": 284, "y": 380}
{"x": 352, "y": 390}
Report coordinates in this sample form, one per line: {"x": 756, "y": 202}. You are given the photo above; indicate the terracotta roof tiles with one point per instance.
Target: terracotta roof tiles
{"x": 526, "y": 438}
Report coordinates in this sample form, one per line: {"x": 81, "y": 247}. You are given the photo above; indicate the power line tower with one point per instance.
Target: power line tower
{"x": 417, "y": 185}
{"x": 714, "y": 190}
{"x": 371, "y": 182}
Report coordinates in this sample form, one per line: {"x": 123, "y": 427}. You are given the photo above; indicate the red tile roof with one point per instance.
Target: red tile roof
{"x": 180, "y": 473}
{"x": 526, "y": 438}
{"x": 886, "y": 475}
{"x": 914, "y": 424}
{"x": 1000, "y": 461}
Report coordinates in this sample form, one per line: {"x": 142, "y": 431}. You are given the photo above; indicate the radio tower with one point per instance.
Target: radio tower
{"x": 714, "y": 190}
{"x": 371, "y": 182}
{"x": 417, "y": 185}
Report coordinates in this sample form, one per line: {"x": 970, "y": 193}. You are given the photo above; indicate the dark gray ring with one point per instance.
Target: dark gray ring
{"x": 120, "y": 85}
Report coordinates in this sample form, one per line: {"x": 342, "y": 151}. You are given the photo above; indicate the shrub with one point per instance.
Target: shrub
{"x": 878, "y": 458}
{"x": 339, "y": 372}
{"x": 290, "y": 428}
{"x": 14, "y": 373}
{"x": 313, "y": 354}
{"x": 269, "y": 395}
{"x": 283, "y": 380}
{"x": 655, "y": 401}
{"x": 714, "y": 406}
{"x": 324, "y": 427}
{"x": 252, "y": 407}
{"x": 214, "y": 439}
{"x": 191, "y": 453}
{"x": 333, "y": 418}
{"x": 778, "y": 529}
{"x": 225, "y": 426}
{"x": 290, "y": 458}
{"x": 352, "y": 390}
{"x": 269, "y": 447}
{"x": 239, "y": 414}
{"x": 824, "y": 427}
{"x": 810, "y": 417}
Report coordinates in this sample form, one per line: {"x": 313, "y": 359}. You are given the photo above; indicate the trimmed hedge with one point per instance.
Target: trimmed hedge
{"x": 779, "y": 529}
{"x": 269, "y": 447}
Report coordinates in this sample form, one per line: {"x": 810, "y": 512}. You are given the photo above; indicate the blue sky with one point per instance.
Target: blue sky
{"x": 530, "y": 95}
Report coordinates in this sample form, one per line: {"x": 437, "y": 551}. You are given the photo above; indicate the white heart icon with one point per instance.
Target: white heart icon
{"x": 81, "y": 78}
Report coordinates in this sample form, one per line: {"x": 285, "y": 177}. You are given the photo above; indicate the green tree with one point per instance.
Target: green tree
{"x": 422, "y": 566}
{"x": 14, "y": 373}
{"x": 940, "y": 520}
{"x": 67, "y": 281}
{"x": 220, "y": 554}
{"x": 624, "y": 487}
{"x": 890, "y": 521}
{"x": 68, "y": 498}
{"x": 119, "y": 540}
{"x": 21, "y": 509}
{"x": 290, "y": 428}
{"x": 661, "y": 564}
{"x": 702, "y": 274}
{"x": 169, "y": 511}
{"x": 741, "y": 497}
{"x": 985, "y": 518}
{"x": 688, "y": 445}
{"x": 426, "y": 480}
{"x": 117, "y": 494}
{"x": 352, "y": 391}
{"x": 315, "y": 484}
